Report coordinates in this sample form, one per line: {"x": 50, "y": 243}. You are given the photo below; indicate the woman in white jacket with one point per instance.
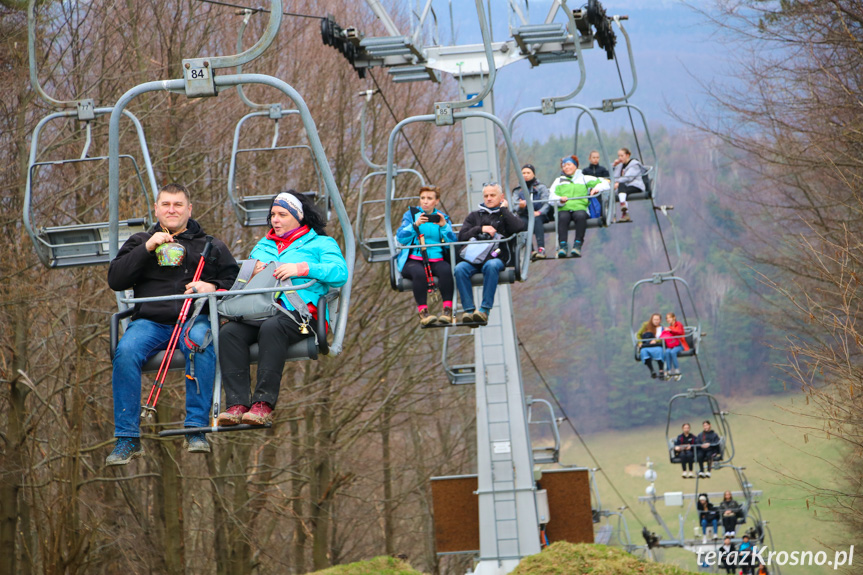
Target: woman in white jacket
{"x": 627, "y": 179}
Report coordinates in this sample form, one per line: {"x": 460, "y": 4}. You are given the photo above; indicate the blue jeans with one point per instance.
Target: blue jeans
{"x": 490, "y": 273}
{"x": 671, "y": 357}
{"x": 143, "y": 340}
{"x": 652, "y": 352}
{"x": 704, "y": 526}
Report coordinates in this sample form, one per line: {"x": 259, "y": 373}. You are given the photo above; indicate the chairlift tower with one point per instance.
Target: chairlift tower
{"x": 506, "y": 489}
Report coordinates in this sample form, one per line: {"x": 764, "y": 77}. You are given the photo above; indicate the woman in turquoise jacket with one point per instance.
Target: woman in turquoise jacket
{"x": 426, "y": 224}
{"x": 297, "y": 241}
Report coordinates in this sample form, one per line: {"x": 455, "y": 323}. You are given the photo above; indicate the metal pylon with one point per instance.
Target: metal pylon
{"x": 509, "y": 525}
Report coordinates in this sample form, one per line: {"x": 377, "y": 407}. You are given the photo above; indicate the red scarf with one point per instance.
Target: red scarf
{"x": 282, "y": 243}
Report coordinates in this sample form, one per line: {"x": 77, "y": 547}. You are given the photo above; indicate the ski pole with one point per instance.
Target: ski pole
{"x": 147, "y": 410}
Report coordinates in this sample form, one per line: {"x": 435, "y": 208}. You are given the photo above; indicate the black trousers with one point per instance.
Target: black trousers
{"x": 687, "y": 458}
{"x": 415, "y": 271}
{"x": 627, "y": 189}
{"x": 563, "y": 219}
{"x": 729, "y": 523}
{"x": 538, "y": 231}
{"x": 273, "y": 337}
{"x": 708, "y": 456}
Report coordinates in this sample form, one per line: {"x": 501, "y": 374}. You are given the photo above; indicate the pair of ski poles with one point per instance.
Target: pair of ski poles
{"x": 149, "y": 411}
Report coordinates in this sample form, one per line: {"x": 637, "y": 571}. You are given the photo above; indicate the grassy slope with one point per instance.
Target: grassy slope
{"x": 773, "y": 454}
{"x": 377, "y": 566}
{"x": 567, "y": 559}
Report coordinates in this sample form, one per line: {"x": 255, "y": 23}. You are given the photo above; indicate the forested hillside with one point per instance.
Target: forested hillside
{"x": 574, "y": 316}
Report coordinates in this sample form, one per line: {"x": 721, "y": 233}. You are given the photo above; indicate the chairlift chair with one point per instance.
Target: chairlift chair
{"x": 83, "y": 244}
{"x": 651, "y": 178}
{"x": 80, "y": 243}
{"x": 461, "y": 373}
{"x": 543, "y": 453}
{"x": 720, "y": 426}
{"x": 517, "y": 242}
{"x": 200, "y": 79}
{"x": 692, "y": 332}
{"x": 254, "y": 209}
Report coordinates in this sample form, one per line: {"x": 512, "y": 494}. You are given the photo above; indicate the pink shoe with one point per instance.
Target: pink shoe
{"x": 232, "y": 416}
{"x": 259, "y": 414}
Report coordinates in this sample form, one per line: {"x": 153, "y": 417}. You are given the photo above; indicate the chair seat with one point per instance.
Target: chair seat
{"x": 638, "y": 196}
{"x": 299, "y": 351}
{"x": 462, "y": 374}
{"x": 550, "y": 227}
{"x": 375, "y": 250}
{"x": 83, "y": 244}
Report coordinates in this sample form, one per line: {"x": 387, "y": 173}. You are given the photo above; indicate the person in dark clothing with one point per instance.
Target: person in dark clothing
{"x": 729, "y": 510}
{"x": 708, "y": 449}
{"x": 543, "y": 211}
{"x": 728, "y": 556}
{"x": 708, "y": 515}
{"x": 684, "y": 445}
{"x": 162, "y": 262}
{"x": 593, "y": 168}
{"x": 492, "y": 217}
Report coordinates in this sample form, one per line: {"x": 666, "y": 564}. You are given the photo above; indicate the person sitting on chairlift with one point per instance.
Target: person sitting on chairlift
{"x": 628, "y": 174}
{"x": 543, "y": 211}
{"x": 427, "y": 225}
{"x": 162, "y": 262}
{"x": 650, "y": 345}
{"x": 593, "y": 168}
{"x": 673, "y": 345}
{"x": 708, "y": 449}
{"x": 492, "y": 219}
{"x": 684, "y": 446}
{"x": 729, "y": 509}
{"x": 708, "y": 516}
{"x": 570, "y": 192}
{"x": 297, "y": 241}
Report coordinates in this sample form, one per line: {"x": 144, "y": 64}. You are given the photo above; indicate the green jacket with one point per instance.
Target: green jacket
{"x": 577, "y": 185}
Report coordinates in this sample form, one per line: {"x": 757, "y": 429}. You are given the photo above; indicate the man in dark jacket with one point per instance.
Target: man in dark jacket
{"x": 708, "y": 449}
{"x": 543, "y": 211}
{"x": 492, "y": 217}
{"x": 137, "y": 267}
{"x": 593, "y": 168}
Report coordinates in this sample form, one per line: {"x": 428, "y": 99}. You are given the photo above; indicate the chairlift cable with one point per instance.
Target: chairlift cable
{"x": 230, "y": 5}
{"x": 577, "y": 434}
{"x": 656, "y": 218}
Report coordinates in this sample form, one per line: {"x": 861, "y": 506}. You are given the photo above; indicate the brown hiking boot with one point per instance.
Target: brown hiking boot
{"x": 426, "y": 318}
{"x": 446, "y": 317}
{"x": 624, "y": 216}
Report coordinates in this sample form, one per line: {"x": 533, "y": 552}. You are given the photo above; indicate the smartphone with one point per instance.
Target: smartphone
{"x": 433, "y": 218}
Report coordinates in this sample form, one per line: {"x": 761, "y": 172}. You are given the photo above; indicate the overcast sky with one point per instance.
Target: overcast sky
{"x": 672, "y": 43}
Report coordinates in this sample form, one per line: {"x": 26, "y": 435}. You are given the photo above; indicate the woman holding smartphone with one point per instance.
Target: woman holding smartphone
{"x": 427, "y": 225}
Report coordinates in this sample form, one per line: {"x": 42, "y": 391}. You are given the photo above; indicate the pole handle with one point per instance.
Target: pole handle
{"x": 207, "y": 248}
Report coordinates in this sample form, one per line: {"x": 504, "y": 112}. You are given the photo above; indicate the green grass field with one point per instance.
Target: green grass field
{"x": 778, "y": 459}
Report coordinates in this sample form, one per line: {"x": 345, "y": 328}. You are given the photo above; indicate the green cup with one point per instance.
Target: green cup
{"x": 170, "y": 254}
